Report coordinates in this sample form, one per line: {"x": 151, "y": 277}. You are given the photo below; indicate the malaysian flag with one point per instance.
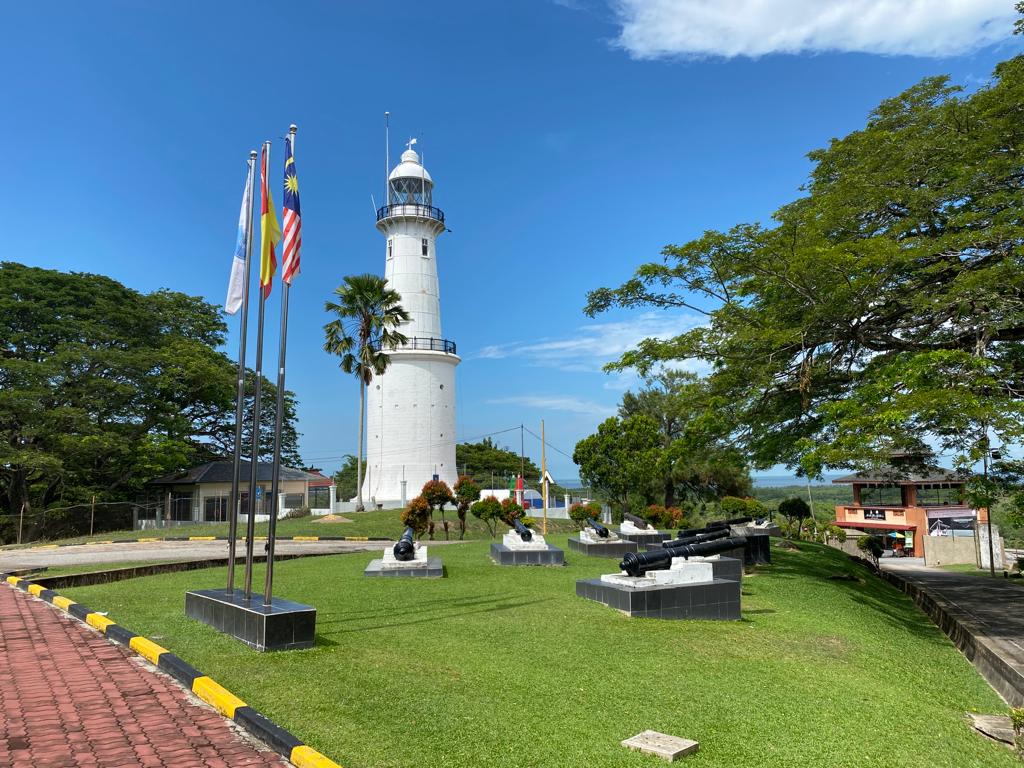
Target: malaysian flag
{"x": 292, "y": 217}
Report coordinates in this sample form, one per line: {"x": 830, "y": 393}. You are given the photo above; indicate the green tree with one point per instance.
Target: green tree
{"x": 489, "y": 511}
{"x": 345, "y": 479}
{"x": 481, "y": 460}
{"x": 367, "y": 316}
{"x": 437, "y": 493}
{"x": 103, "y": 387}
{"x": 795, "y": 510}
{"x": 466, "y": 493}
{"x": 880, "y": 311}
{"x": 621, "y": 460}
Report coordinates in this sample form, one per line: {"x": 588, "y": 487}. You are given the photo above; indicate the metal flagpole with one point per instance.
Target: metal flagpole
{"x": 236, "y": 498}
{"x": 268, "y": 588}
{"x": 254, "y": 454}
{"x": 544, "y": 475}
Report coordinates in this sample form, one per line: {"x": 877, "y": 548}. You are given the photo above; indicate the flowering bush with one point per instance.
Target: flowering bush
{"x": 417, "y": 515}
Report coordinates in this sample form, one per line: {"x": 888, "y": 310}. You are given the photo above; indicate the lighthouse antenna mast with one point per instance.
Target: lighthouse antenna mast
{"x": 387, "y": 158}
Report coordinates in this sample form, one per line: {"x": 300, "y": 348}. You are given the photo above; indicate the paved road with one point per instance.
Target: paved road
{"x": 68, "y": 697}
{"x": 993, "y": 608}
{"x": 18, "y": 559}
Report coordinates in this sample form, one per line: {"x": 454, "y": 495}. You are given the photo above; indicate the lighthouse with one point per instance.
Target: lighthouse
{"x": 411, "y": 407}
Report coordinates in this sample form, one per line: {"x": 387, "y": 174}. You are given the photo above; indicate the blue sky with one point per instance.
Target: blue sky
{"x": 569, "y": 141}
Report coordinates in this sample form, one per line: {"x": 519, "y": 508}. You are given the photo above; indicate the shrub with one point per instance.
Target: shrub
{"x": 580, "y": 512}
{"x": 733, "y": 506}
{"x": 872, "y": 546}
{"x": 488, "y": 510}
{"x": 437, "y": 494}
{"x": 1017, "y": 721}
{"x": 510, "y": 511}
{"x": 417, "y": 515}
{"x": 298, "y": 512}
{"x": 528, "y": 521}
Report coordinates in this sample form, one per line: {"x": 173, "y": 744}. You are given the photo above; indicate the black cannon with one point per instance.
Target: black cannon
{"x": 738, "y": 521}
{"x": 636, "y": 564}
{"x": 599, "y": 529}
{"x": 524, "y": 533}
{"x": 639, "y": 522}
{"x": 718, "y": 533}
{"x": 404, "y": 548}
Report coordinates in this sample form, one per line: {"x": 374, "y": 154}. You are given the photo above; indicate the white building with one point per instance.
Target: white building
{"x": 411, "y": 408}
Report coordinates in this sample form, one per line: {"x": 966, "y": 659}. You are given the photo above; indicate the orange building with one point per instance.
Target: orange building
{"x": 904, "y": 505}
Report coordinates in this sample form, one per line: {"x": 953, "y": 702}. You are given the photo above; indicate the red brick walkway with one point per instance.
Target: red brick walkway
{"x": 69, "y": 697}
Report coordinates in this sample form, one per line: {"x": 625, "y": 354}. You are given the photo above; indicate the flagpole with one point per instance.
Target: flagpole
{"x": 236, "y": 500}
{"x": 268, "y": 588}
{"x": 254, "y": 454}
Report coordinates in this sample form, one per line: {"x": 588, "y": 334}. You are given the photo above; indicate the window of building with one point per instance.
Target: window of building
{"x": 181, "y": 506}
{"x": 938, "y": 495}
{"x": 320, "y": 497}
{"x": 390, "y": 247}
{"x": 215, "y": 509}
{"x": 881, "y": 495}
{"x": 425, "y": 247}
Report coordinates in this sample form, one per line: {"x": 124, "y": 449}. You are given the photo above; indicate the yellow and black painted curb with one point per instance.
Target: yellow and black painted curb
{"x": 221, "y": 699}
{"x": 154, "y": 539}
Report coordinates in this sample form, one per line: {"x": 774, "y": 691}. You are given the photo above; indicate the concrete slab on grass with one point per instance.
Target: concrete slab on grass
{"x": 669, "y": 748}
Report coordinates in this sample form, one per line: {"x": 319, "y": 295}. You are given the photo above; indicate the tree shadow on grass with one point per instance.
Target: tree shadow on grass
{"x": 421, "y": 606}
{"x": 504, "y": 605}
{"x": 868, "y": 589}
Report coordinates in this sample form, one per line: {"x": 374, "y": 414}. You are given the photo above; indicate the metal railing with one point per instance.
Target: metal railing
{"x": 411, "y": 209}
{"x": 431, "y": 345}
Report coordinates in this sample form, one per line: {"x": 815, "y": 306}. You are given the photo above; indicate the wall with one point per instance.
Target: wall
{"x": 944, "y": 550}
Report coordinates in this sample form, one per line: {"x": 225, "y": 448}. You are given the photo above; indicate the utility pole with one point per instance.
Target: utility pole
{"x": 92, "y": 514}
{"x": 21, "y": 520}
{"x": 544, "y": 475}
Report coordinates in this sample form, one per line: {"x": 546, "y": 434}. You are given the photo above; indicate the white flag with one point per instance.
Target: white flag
{"x": 239, "y": 268}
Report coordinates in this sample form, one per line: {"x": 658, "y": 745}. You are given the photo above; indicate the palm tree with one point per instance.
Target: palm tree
{"x": 367, "y": 316}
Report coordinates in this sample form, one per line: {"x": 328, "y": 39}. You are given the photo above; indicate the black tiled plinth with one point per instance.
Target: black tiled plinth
{"x": 433, "y": 570}
{"x": 502, "y": 555}
{"x": 611, "y": 549}
{"x": 644, "y": 537}
{"x": 281, "y": 626}
{"x": 758, "y": 550}
{"x": 718, "y": 599}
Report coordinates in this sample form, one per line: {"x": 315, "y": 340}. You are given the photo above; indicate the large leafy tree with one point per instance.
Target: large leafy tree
{"x": 103, "y": 387}
{"x": 698, "y": 462}
{"x": 621, "y": 460}
{"x": 882, "y": 310}
{"x": 365, "y": 327}
{"x": 483, "y": 459}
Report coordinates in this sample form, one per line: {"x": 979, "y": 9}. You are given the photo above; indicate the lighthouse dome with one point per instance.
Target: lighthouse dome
{"x": 410, "y": 167}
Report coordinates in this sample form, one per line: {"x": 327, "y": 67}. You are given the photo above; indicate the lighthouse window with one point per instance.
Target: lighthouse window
{"x": 425, "y": 247}
{"x": 389, "y": 248}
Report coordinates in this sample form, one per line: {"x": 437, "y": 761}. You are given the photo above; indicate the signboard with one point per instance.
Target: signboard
{"x": 259, "y": 493}
{"x": 874, "y": 514}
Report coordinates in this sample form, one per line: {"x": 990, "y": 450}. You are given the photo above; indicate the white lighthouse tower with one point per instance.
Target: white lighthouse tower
{"x": 411, "y": 408}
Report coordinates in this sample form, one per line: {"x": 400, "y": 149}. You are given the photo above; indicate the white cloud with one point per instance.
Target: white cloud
{"x": 594, "y": 344}
{"x": 695, "y": 28}
{"x": 566, "y": 403}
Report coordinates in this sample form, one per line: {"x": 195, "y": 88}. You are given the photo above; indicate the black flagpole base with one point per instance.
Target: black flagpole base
{"x": 280, "y": 626}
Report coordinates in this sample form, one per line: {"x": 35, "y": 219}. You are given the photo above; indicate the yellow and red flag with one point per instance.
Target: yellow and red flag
{"x": 270, "y": 232}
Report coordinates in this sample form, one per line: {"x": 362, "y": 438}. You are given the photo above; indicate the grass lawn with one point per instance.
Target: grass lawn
{"x": 383, "y": 522}
{"x": 504, "y": 666}
{"x": 67, "y": 570}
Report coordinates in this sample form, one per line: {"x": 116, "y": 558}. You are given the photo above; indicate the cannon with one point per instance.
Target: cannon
{"x": 599, "y": 529}
{"x": 524, "y": 533}
{"x": 718, "y": 533}
{"x": 639, "y": 522}
{"x": 636, "y": 564}
{"x": 405, "y": 549}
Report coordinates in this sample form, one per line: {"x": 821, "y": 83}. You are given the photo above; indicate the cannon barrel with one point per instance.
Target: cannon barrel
{"x": 718, "y": 533}
{"x": 524, "y": 533}
{"x": 404, "y": 548}
{"x": 636, "y": 564}
{"x": 738, "y": 520}
{"x": 639, "y": 522}
{"x": 599, "y": 529}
